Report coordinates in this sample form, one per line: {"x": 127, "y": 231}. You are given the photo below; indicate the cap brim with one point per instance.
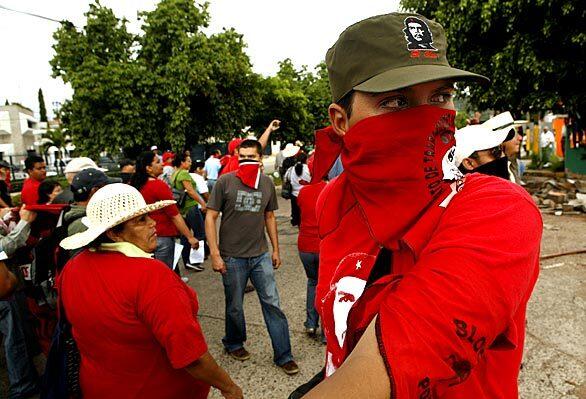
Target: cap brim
{"x": 399, "y": 78}
{"x": 84, "y": 238}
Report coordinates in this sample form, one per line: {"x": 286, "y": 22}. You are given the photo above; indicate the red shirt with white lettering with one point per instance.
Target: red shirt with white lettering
{"x": 135, "y": 324}
{"x": 308, "y": 239}
{"x": 157, "y": 190}
{"x": 30, "y": 191}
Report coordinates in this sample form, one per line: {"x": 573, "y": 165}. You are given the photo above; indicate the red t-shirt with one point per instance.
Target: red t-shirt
{"x": 451, "y": 315}
{"x": 135, "y": 324}
{"x": 157, "y": 190}
{"x": 308, "y": 239}
{"x": 30, "y": 191}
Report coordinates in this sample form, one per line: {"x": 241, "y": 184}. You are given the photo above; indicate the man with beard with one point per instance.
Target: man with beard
{"x": 424, "y": 276}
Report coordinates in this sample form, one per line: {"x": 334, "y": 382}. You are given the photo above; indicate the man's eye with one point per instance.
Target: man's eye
{"x": 441, "y": 98}
{"x": 394, "y": 102}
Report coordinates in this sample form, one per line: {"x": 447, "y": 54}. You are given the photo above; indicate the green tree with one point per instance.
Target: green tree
{"x": 299, "y": 98}
{"x": 42, "y": 109}
{"x": 533, "y": 51}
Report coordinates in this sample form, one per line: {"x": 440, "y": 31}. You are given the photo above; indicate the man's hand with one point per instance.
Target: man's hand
{"x": 276, "y": 260}
{"x": 233, "y": 393}
{"x": 275, "y": 125}
{"x": 203, "y": 208}
{"x": 26, "y": 215}
{"x": 194, "y": 242}
{"x": 218, "y": 264}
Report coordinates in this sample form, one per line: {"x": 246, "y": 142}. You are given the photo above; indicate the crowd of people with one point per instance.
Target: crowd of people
{"x": 419, "y": 249}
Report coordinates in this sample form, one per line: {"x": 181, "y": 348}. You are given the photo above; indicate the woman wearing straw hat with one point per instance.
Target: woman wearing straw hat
{"x": 133, "y": 319}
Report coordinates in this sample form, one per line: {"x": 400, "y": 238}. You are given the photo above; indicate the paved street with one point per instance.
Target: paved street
{"x": 555, "y": 358}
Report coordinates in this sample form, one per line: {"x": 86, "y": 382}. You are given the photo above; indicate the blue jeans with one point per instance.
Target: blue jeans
{"x": 22, "y": 373}
{"x": 193, "y": 220}
{"x": 211, "y": 183}
{"x": 165, "y": 251}
{"x": 310, "y": 264}
{"x": 260, "y": 271}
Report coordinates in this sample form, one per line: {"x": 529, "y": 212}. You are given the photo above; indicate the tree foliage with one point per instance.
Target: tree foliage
{"x": 533, "y": 51}
{"x": 299, "y": 98}
{"x": 42, "y": 109}
{"x": 174, "y": 85}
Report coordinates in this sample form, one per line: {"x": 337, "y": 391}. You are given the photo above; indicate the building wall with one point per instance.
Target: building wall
{"x": 17, "y": 126}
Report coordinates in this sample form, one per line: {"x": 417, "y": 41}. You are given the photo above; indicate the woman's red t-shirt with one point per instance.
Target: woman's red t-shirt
{"x": 157, "y": 190}
{"x": 135, "y": 324}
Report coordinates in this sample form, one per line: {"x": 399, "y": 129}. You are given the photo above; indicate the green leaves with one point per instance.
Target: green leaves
{"x": 533, "y": 52}
{"x": 174, "y": 86}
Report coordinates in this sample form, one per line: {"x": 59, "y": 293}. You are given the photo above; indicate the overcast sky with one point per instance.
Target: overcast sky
{"x": 302, "y": 30}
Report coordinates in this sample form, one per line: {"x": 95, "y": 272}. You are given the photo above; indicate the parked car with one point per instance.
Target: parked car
{"x": 108, "y": 163}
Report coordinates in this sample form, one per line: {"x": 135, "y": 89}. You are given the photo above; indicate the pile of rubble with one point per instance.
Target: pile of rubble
{"x": 556, "y": 193}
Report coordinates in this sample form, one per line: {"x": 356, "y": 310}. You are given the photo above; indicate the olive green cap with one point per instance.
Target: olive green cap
{"x": 390, "y": 52}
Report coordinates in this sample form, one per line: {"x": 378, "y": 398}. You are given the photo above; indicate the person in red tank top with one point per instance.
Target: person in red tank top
{"x": 424, "y": 275}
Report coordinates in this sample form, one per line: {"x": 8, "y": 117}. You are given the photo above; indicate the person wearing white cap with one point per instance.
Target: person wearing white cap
{"x": 134, "y": 321}
{"x": 72, "y": 168}
{"x": 479, "y": 147}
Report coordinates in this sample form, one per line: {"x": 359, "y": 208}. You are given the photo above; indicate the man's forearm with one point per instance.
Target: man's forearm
{"x": 211, "y": 234}
{"x": 362, "y": 375}
{"x": 271, "y": 225}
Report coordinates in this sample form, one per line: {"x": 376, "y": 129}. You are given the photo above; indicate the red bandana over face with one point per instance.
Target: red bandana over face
{"x": 394, "y": 165}
{"x": 249, "y": 173}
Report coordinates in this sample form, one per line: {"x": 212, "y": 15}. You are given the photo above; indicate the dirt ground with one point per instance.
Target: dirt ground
{"x": 554, "y": 364}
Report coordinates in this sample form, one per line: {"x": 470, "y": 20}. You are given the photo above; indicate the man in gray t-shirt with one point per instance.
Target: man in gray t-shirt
{"x": 243, "y": 254}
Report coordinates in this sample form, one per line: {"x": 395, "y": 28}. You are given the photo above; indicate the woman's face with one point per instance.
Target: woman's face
{"x": 139, "y": 231}
{"x": 186, "y": 164}
{"x": 56, "y": 191}
{"x": 156, "y": 167}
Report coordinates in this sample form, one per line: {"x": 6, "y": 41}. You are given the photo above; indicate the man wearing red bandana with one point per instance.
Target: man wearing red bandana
{"x": 424, "y": 275}
{"x": 230, "y": 162}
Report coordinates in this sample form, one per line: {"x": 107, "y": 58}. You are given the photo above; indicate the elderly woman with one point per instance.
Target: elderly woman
{"x": 133, "y": 319}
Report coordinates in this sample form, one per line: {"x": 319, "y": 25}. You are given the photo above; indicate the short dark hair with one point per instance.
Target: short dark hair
{"x": 179, "y": 159}
{"x": 216, "y": 151}
{"x": 126, "y": 162}
{"x": 346, "y": 102}
{"x": 31, "y": 160}
{"x": 250, "y": 143}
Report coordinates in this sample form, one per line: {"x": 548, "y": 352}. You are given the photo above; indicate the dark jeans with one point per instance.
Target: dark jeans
{"x": 22, "y": 374}
{"x": 260, "y": 271}
{"x": 310, "y": 264}
{"x": 295, "y": 212}
{"x": 165, "y": 251}
{"x": 195, "y": 222}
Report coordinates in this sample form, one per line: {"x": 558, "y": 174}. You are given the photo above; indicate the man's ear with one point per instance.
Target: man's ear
{"x": 338, "y": 119}
{"x": 469, "y": 164}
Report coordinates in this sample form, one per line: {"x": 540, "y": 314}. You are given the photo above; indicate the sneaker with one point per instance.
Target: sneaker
{"x": 195, "y": 267}
{"x": 310, "y": 331}
{"x": 184, "y": 279}
{"x": 239, "y": 354}
{"x": 290, "y": 368}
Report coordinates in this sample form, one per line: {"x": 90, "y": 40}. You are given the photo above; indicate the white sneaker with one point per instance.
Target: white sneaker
{"x": 195, "y": 267}
{"x": 184, "y": 279}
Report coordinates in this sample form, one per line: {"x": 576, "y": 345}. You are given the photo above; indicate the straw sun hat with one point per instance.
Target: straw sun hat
{"x": 110, "y": 206}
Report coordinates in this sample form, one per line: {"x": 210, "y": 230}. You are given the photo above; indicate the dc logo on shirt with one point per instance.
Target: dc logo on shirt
{"x": 248, "y": 202}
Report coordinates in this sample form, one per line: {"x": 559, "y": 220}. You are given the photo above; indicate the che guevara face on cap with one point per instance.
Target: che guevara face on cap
{"x": 390, "y": 52}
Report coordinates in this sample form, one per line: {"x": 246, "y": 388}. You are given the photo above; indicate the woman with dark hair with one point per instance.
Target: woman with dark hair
{"x": 134, "y": 322}
{"x": 48, "y": 190}
{"x": 298, "y": 175}
{"x": 192, "y": 208}
{"x": 169, "y": 222}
